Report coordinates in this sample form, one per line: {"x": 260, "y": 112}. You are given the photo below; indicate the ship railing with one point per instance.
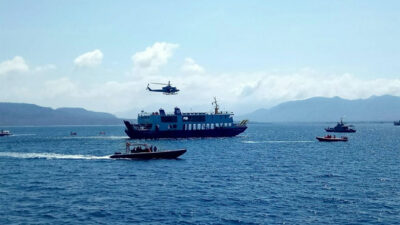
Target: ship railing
{"x": 186, "y": 114}
{"x": 243, "y": 122}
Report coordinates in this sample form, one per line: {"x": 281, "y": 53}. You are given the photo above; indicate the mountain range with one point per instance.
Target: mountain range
{"x": 317, "y": 109}
{"x": 21, "y": 114}
{"x": 321, "y": 109}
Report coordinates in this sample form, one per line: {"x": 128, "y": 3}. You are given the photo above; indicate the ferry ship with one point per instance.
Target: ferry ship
{"x": 184, "y": 125}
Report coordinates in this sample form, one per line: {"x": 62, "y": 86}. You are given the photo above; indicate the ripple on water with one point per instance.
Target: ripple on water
{"x": 271, "y": 174}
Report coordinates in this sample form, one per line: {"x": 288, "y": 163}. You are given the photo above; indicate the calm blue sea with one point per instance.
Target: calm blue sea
{"x": 271, "y": 174}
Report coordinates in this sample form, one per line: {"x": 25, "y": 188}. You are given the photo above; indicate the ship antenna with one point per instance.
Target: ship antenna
{"x": 216, "y": 106}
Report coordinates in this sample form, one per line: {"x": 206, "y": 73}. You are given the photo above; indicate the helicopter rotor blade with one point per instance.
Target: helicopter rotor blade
{"x": 159, "y": 83}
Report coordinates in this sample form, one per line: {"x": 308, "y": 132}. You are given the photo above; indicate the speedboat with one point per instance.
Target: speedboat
{"x": 330, "y": 138}
{"x": 145, "y": 151}
{"x": 5, "y": 133}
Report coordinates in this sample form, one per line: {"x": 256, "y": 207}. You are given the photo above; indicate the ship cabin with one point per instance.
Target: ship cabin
{"x": 161, "y": 121}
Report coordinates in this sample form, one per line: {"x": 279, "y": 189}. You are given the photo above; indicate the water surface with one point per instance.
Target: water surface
{"x": 272, "y": 173}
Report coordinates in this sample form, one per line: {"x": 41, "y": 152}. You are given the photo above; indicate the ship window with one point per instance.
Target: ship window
{"x": 199, "y": 118}
{"x": 169, "y": 119}
{"x": 189, "y": 126}
{"x": 212, "y": 126}
{"x": 170, "y": 126}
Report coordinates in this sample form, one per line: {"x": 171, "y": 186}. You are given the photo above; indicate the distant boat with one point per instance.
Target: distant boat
{"x": 5, "y": 133}
{"x": 341, "y": 128}
{"x": 144, "y": 151}
{"x": 396, "y": 123}
{"x": 102, "y": 133}
{"x": 73, "y": 133}
{"x": 330, "y": 138}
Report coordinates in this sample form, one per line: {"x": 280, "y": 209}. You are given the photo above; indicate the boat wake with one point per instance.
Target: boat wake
{"x": 259, "y": 142}
{"x": 97, "y": 137}
{"x": 49, "y": 156}
{"x": 17, "y": 135}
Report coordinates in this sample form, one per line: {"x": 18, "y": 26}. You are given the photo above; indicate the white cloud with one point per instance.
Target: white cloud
{"x": 237, "y": 92}
{"x": 151, "y": 59}
{"x": 45, "y": 68}
{"x": 17, "y": 64}
{"x": 60, "y": 87}
{"x": 89, "y": 59}
{"x": 190, "y": 66}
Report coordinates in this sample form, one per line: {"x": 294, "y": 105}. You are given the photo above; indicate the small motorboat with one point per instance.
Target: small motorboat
{"x": 73, "y": 133}
{"x": 5, "y": 133}
{"x": 145, "y": 151}
{"x": 330, "y": 138}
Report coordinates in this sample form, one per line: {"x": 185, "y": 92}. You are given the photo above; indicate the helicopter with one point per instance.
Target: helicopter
{"x": 167, "y": 90}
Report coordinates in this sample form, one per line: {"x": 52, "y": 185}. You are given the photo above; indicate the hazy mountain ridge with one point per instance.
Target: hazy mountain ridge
{"x": 29, "y": 114}
{"x": 321, "y": 109}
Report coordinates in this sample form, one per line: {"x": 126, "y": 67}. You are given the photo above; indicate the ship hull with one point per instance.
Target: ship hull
{"x": 173, "y": 154}
{"x": 149, "y": 134}
{"x": 339, "y": 131}
{"x": 325, "y": 139}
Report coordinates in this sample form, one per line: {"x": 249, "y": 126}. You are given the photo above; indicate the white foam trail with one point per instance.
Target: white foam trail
{"x": 287, "y": 141}
{"x": 259, "y": 142}
{"x": 22, "y": 135}
{"x": 49, "y": 156}
{"x": 251, "y": 142}
{"x": 97, "y": 137}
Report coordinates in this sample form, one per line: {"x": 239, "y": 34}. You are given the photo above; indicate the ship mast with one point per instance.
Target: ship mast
{"x": 216, "y": 106}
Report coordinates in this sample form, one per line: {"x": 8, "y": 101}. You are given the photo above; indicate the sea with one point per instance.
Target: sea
{"x": 274, "y": 173}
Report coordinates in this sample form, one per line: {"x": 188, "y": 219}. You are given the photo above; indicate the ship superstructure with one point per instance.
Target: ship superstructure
{"x": 341, "y": 128}
{"x": 184, "y": 125}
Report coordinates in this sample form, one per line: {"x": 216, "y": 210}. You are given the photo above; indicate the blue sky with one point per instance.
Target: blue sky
{"x": 250, "y": 42}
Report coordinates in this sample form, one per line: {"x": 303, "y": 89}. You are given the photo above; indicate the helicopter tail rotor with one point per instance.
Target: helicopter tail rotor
{"x": 148, "y": 87}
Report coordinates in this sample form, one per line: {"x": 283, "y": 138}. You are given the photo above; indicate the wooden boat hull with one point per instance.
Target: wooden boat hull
{"x": 173, "y": 154}
{"x": 324, "y": 139}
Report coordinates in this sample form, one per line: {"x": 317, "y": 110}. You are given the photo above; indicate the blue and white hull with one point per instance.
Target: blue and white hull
{"x": 154, "y": 134}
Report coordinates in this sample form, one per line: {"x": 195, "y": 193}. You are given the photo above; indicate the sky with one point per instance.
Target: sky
{"x": 100, "y": 55}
